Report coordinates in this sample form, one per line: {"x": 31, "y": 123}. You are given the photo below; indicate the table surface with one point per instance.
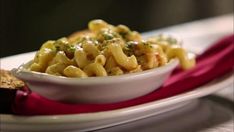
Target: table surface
{"x": 197, "y": 36}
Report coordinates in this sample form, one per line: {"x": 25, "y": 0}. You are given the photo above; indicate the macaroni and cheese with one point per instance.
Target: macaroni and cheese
{"x": 107, "y": 50}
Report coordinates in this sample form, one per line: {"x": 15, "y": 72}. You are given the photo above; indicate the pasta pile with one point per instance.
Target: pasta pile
{"x": 107, "y": 50}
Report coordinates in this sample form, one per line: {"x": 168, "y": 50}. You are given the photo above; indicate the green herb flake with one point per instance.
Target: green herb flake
{"x": 71, "y": 48}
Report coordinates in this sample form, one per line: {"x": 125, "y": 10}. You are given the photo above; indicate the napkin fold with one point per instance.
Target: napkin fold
{"x": 216, "y": 61}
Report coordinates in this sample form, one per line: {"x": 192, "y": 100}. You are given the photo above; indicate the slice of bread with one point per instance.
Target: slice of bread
{"x": 9, "y": 81}
{"x": 8, "y": 86}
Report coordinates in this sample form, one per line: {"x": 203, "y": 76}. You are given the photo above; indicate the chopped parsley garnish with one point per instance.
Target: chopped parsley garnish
{"x": 71, "y": 48}
{"x": 148, "y": 45}
{"x": 168, "y": 39}
{"x": 108, "y": 36}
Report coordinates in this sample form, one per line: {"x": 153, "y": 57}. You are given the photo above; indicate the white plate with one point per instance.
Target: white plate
{"x": 208, "y": 115}
{"x": 92, "y": 121}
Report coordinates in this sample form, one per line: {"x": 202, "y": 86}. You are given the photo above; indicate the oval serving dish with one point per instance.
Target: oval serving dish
{"x": 108, "y": 89}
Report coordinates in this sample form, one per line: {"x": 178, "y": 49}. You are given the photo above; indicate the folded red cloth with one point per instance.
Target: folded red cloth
{"x": 214, "y": 62}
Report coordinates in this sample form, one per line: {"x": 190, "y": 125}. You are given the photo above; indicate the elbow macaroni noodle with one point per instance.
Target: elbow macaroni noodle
{"x": 128, "y": 63}
{"x": 107, "y": 50}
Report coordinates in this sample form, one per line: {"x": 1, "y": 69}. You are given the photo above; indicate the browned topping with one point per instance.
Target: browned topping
{"x": 9, "y": 81}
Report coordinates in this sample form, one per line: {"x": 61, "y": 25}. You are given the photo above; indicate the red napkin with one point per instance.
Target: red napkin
{"x": 214, "y": 62}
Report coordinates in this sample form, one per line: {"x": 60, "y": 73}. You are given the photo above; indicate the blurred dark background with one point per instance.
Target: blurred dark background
{"x": 26, "y": 24}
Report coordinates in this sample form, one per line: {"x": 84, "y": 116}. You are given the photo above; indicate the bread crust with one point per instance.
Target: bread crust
{"x": 9, "y": 81}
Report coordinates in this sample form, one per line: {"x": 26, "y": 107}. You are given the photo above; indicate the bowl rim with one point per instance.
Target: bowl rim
{"x": 22, "y": 73}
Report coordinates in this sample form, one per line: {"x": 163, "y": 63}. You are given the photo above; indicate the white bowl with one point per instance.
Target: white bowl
{"x": 95, "y": 89}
